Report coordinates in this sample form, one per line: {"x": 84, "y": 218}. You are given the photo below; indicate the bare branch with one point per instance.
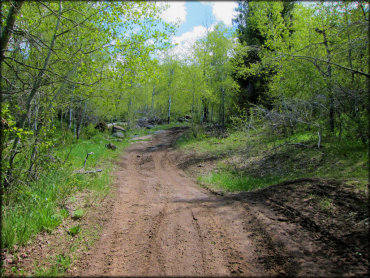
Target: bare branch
{"x": 315, "y": 59}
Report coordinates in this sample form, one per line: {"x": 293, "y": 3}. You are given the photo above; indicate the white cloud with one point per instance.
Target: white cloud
{"x": 175, "y": 13}
{"x": 186, "y": 41}
{"x": 223, "y": 11}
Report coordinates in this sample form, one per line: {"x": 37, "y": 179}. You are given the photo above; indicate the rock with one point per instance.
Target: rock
{"x": 119, "y": 140}
{"x": 117, "y": 128}
{"x": 181, "y": 119}
{"x": 149, "y": 126}
{"x": 111, "y": 146}
{"x": 118, "y": 134}
{"x": 143, "y": 122}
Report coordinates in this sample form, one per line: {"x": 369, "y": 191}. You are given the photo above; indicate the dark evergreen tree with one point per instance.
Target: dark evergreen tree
{"x": 253, "y": 88}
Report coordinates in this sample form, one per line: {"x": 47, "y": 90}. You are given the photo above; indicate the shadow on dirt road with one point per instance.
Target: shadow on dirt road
{"x": 162, "y": 223}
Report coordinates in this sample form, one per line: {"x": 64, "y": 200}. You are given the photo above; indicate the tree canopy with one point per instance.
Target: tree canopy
{"x": 68, "y": 64}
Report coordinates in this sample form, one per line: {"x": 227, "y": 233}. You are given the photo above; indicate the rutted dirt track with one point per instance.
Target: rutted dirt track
{"x": 163, "y": 223}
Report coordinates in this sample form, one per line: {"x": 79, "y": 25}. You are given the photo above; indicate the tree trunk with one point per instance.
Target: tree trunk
{"x": 70, "y": 118}
{"x": 329, "y": 82}
{"x": 31, "y": 171}
{"x": 129, "y": 112}
{"x": 36, "y": 113}
{"x": 5, "y": 34}
{"x": 205, "y": 110}
{"x": 211, "y": 119}
{"x": 223, "y": 107}
{"x": 33, "y": 92}
{"x": 152, "y": 107}
{"x": 80, "y": 121}
{"x": 8, "y": 28}
{"x": 61, "y": 119}
{"x": 169, "y": 109}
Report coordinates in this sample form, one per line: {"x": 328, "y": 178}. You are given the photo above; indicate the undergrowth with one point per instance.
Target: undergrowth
{"x": 29, "y": 209}
{"x": 230, "y": 181}
{"x": 255, "y": 159}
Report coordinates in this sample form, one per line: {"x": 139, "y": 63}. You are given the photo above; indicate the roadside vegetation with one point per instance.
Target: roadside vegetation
{"x": 282, "y": 96}
{"x": 40, "y": 206}
{"x": 252, "y": 159}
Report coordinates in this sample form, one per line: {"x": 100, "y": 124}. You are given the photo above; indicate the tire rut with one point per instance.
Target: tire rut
{"x": 163, "y": 223}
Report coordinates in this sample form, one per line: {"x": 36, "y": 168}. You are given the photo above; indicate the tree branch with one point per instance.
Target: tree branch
{"x": 8, "y": 29}
{"x": 315, "y": 59}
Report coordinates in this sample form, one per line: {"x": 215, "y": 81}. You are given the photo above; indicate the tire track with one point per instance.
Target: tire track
{"x": 163, "y": 223}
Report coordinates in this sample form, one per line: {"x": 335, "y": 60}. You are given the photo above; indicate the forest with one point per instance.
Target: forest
{"x": 294, "y": 74}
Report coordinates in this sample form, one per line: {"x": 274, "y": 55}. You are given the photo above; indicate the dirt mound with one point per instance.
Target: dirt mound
{"x": 322, "y": 222}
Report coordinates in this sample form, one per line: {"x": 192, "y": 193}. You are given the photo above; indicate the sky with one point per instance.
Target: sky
{"x": 194, "y": 17}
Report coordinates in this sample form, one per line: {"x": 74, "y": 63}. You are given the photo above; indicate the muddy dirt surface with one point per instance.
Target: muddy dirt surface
{"x": 162, "y": 223}
{"x": 158, "y": 221}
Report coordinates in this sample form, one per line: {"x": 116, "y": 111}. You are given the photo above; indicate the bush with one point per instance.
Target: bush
{"x": 78, "y": 214}
{"x": 74, "y": 230}
{"x": 197, "y": 131}
{"x": 90, "y": 131}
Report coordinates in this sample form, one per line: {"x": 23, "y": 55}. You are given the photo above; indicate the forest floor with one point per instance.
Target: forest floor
{"x": 159, "y": 221}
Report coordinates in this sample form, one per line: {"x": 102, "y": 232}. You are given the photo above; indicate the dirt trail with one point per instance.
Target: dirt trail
{"x": 163, "y": 223}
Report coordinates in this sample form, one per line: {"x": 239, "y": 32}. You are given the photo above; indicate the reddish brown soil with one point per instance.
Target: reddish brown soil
{"x": 163, "y": 223}
{"x": 160, "y": 222}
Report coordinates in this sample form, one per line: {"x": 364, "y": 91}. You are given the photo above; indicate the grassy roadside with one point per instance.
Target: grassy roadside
{"x": 41, "y": 206}
{"x": 61, "y": 199}
{"x": 255, "y": 159}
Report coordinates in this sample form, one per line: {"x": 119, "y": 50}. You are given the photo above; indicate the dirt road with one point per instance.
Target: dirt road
{"x": 163, "y": 223}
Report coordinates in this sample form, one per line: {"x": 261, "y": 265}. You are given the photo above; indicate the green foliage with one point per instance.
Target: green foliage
{"x": 74, "y": 230}
{"x": 210, "y": 144}
{"x": 29, "y": 209}
{"x": 297, "y": 75}
{"x": 313, "y": 54}
{"x": 80, "y": 46}
{"x": 325, "y": 204}
{"x": 90, "y": 131}
{"x": 59, "y": 265}
{"x": 252, "y": 159}
{"x": 10, "y": 125}
{"x": 237, "y": 182}
{"x": 77, "y": 214}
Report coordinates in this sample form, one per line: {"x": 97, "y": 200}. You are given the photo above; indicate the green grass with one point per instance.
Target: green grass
{"x": 39, "y": 206}
{"x": 264, "y": 160}
{"x": 74, "y": 230}
{"x": 235, "y": 182}
{"x": 59, "y": 265}
{"x": 325, "y": 204}
{"x": 217, "y": 146}
{"x": 78, "y": 214}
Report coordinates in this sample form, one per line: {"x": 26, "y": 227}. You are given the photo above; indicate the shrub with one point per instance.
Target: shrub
{"x": 90, "y": 131}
